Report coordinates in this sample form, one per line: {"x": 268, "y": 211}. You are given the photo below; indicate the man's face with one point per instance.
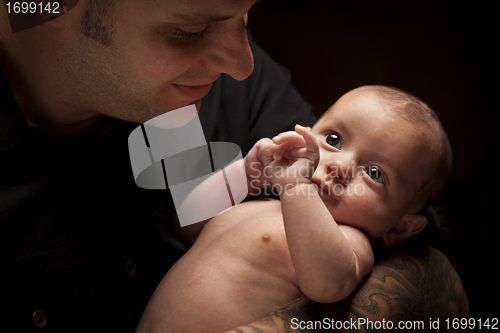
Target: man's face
{"x": 371, "y": 163}
{"x": 165, "y": 54}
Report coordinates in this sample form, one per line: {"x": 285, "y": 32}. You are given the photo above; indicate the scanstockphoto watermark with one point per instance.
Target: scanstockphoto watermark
{"x": 357, "y": 324}
{"x": 338, "y": 188}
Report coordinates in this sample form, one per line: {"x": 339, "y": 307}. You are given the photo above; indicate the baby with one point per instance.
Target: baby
{"x": 367, "y": 168}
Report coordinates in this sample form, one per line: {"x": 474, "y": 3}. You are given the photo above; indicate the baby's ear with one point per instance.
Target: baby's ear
{"x": 408, "y": 225}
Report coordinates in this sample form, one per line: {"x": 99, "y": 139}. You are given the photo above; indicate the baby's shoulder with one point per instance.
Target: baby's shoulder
{"x": 264, "y": 205}
{"x": 255, "y": 208}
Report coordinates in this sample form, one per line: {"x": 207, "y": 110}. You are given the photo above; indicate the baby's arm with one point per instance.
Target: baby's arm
{"x": 329, "y": 259}
{"x": 208, "y": 194}
{"x": 206, "y": 197}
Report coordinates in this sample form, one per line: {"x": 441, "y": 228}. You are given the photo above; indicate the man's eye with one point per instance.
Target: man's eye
{"x": 375, "y": 173}
{"x": 191, "y": 36}
{"x": 334, "y": 140}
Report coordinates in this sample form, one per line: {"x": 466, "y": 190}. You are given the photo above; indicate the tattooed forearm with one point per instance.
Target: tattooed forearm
{"x": 417, "y": 287}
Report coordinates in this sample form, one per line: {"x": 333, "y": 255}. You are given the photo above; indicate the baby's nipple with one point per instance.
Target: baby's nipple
{"x": 266, "y": 238}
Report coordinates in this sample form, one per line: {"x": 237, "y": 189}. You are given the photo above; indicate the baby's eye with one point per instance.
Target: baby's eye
{"x": 375, "y": 173}
{"x": 334, "y": 140}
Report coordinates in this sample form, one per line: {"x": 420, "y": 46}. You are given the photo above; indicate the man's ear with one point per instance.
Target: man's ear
{"x": 408, "y": 225}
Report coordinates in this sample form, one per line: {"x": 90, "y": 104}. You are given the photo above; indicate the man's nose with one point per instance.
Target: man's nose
{"x": 230, "y": 53}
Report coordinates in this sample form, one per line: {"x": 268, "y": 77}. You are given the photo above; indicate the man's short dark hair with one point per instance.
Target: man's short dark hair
{"x": 97, "y": 21}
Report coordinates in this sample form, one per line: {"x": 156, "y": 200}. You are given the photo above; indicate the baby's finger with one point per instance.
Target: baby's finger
{"x": 309, "y": 138}
{"x": 295, "y": 153}
{"x": 292, "y": 137}
{"x": 266, "y": 154}
{"x": 279, "y": 150}
{"x": 263, "y": 143}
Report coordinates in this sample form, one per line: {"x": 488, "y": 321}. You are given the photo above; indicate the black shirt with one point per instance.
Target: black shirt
{"x": 79, "y": 244}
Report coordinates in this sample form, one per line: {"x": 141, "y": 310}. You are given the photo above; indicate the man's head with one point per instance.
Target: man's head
{"x": 128, "y": 59}
{"x": 383, "y": 157}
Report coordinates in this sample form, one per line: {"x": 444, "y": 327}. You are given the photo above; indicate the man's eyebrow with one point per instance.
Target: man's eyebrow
{"x": 199, "y": 18}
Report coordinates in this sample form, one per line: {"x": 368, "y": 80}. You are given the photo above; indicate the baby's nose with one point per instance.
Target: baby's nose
{"x": 340, "y": 173}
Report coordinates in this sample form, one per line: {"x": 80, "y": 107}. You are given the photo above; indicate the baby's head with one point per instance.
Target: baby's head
{"x": 383, "y": 157}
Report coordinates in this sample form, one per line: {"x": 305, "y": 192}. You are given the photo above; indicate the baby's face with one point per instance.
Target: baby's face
{"x": 371, "y": 162}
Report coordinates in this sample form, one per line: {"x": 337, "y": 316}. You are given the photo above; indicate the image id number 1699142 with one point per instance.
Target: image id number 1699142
{"x": 32, "y": 7}
{"x": 472, "y": 323}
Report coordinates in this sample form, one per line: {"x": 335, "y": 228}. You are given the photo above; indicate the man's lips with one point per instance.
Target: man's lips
{"x": 194, "y": 92}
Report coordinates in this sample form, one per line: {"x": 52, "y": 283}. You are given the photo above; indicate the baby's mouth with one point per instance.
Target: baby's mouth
{"x": 325, "y": 191}
{"x": 320, "y": 187}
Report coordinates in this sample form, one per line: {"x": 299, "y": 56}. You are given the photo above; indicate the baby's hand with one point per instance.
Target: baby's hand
{"x": 254, "y": 166}
{"x": 292, "y": 157}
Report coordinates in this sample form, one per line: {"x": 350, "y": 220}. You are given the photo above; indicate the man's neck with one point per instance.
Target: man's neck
{"x": 90, "y": 125}
{"x": 55, "y": 119}
{"x": 54, "y": 114}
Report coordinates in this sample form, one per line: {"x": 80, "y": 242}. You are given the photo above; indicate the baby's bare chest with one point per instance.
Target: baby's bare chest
{"x": 253, "y": 235}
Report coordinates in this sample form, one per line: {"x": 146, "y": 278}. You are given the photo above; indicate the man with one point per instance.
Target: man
{"x": 80, "y": 245}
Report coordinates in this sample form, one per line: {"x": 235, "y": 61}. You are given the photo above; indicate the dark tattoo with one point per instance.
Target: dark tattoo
{"x": 417, "y": 286}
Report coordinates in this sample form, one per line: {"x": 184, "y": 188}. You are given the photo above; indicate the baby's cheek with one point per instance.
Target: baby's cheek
{"x": 363, "y": 209}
